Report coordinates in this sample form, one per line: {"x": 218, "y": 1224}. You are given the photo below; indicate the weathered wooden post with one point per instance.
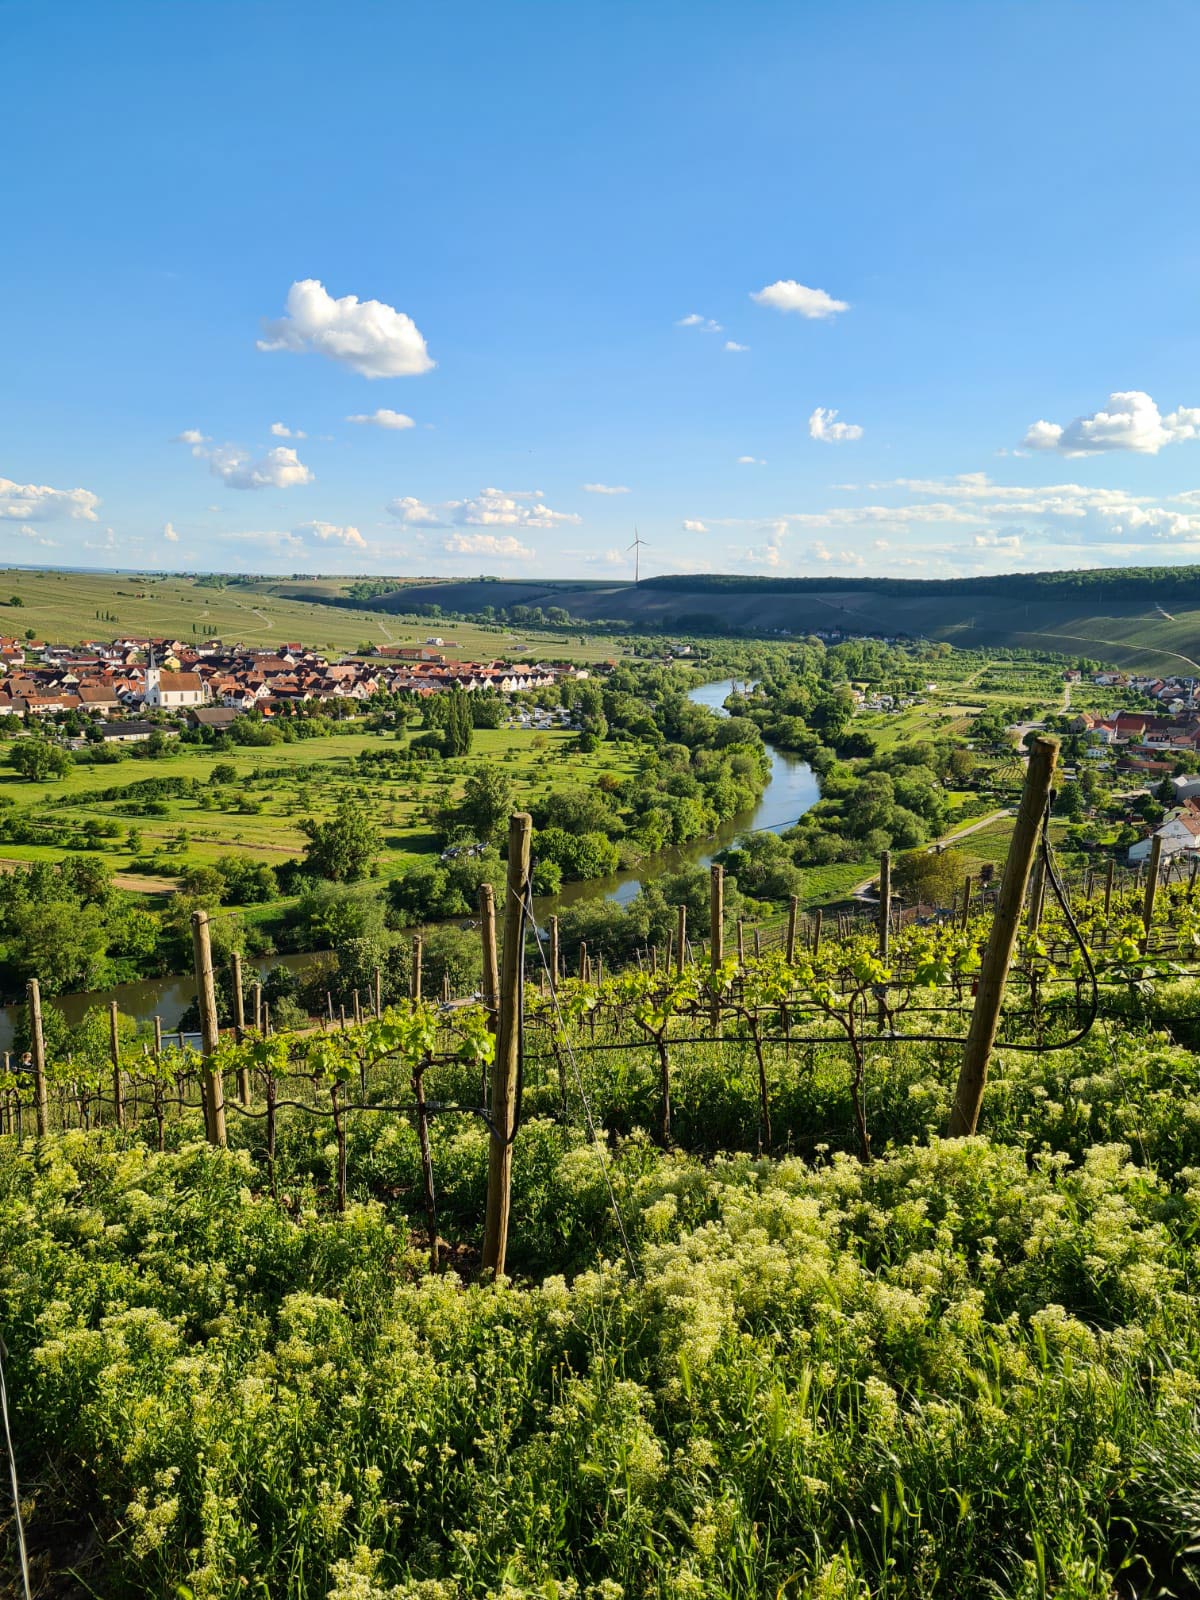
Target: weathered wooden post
{"x": 506, "y": 1062}
{"x": 793, "y": 919}
{"x": 1192, "y": 878}
{"x": 1151, "y": 893}
{"x": 680, "y": 938}
{"x": 446, "y": 987}
{"x": 357, "y": 1010}
{"x": 239, "y": 1025}
{"x": 258, "y": 1008}
{"x": 210, "y": 1031}
{"x": 584, "y": 972}
{"x": 114, "y": 1050}
{"x": 885, "y": 901}
{"x": 414, "y": 988}
{"x": 1006, "y": 919}
{"x": 966, "y": 905}
{"x": 37, "y": 1049}
{"x": 1110, "y": 867}
{"x": 1037, "y": 895}
{"x": 818, "y": 918}
{"x": 377, "y": 993}
{"x": 491, "y": 968}
{"x": 716, "y": 933}
{"x": 741, "y": 943}
{"x": 554, "y": 968}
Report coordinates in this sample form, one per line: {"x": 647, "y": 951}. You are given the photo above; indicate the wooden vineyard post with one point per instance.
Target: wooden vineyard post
{"x": 817, "y": 920}
{"x": 554, "y": 954}
{"x": 446, "y": 987}
{"x": 1192, "y": 878}
{"x": 38, "y": 1050}
{"x": 1033, "y": 920}
{"x": 357, "y": 1010}
{"x": 741, "y": 943}
{"x": 258, "y": 1006}
{"x": 506, "y": 1062}
{"x": 1152, "y": 878}
{"x": 114, "y": 1050}
{"x": 1006, "y": 919}
{"x": 210, "y": 1032}
{"x": 583, "y": 961}
{"x": 680, "y": 938}
{"x": 1108, "y": 884}
{"x": 415, "y": 985}
{"x": 491, "y": 968}
{"x": 793, "y": 917}
{"x": 239, "y": 1025}
{"x": 966, "y": 905}
{"x": 716, "y": 934}
{"x": 377, "y": 993}
{"x": 885, "y": 901}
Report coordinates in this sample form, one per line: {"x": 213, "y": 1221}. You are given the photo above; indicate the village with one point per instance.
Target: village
{"x": 211, "y": 684}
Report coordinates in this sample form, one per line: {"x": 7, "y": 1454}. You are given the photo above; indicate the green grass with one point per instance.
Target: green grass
{"x": 63, "y": 607}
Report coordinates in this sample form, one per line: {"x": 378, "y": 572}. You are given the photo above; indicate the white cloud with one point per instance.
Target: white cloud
{"x": 605, "y": 488}
{"x": 169, "y": 534}
{"x": 501, "y": 547}
{"x": 881, "y": 544}
{"x": 695, "y": 320}
{"x": 691, "y": 525}
{"x": 370, "y": 337}
{"x": 1131, "y": 421}
{"x": 384, "y": 418}
{"x": 732, "y": 344}
{"x": 37, "y": 502}
{"x": 788, "y": 295}
{"x": 517, "y": 508}
{"x": 279, "y": 468}
{"x": 840, "y": 558}
{"x": 35, "y": 537}
{"x": 331, "y": 533}
{"x": 821, "y": 425}
{"x": 282, "y": 432}
{"x": 750, "y": 461}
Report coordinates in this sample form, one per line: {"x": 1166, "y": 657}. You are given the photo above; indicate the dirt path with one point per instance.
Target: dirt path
{"x": 946, "y": 839}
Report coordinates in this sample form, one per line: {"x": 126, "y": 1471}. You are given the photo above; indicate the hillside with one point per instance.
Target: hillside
{"x": 1150, "y": 621}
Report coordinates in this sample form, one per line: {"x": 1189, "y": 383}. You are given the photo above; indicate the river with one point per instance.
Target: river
{"x": 791, "y": 790}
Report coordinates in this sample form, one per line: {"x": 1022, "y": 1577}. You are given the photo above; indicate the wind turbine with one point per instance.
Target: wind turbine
{"x": 636, "y": 547}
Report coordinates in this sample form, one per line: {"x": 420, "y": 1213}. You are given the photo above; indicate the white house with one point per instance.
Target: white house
{"x": 174, "y": 691}
{"x": 1178, "y": 834}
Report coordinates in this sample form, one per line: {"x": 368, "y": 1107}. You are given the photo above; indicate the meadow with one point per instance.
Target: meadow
{"x": 67, "y": 606}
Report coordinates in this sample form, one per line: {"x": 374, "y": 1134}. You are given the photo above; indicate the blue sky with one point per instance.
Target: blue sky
{"x": 996, "y": 202}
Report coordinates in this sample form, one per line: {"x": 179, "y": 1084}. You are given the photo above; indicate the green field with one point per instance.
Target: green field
{"x": 65, "y": 607}
{"x": 271, "y": 778}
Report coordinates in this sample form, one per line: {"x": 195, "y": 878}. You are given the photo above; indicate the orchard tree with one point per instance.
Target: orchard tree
{"x": 343, "y": 848}
{"x": 37, "y": 759}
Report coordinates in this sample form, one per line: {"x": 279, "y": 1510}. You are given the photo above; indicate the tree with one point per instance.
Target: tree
{"x": 485, "y": 806}
{"x": 15, "y": 600}
{"x": 929, "y": 877}
{"x": 459, "y": 724}
{"x": 37, "y": 759}
{"x": 343, "y": 848}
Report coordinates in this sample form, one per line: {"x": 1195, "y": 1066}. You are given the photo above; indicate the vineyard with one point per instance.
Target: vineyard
{"x": 757, "y": 1327}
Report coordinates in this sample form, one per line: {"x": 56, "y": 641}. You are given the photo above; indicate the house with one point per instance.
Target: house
{"x": 134, "y": 732}
{"x": 218, "y": 717}
{"x": 99, "y": 698}
{"x": 174, "y": 691}
{"x": 1179, "y": 833}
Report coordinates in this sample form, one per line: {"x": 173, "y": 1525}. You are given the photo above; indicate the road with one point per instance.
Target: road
{"x": 946, "y": 839}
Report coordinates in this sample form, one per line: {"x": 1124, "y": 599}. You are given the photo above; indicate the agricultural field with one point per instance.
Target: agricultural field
{"x": 258, "y": 813}
{"x": 69, "y": 606}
